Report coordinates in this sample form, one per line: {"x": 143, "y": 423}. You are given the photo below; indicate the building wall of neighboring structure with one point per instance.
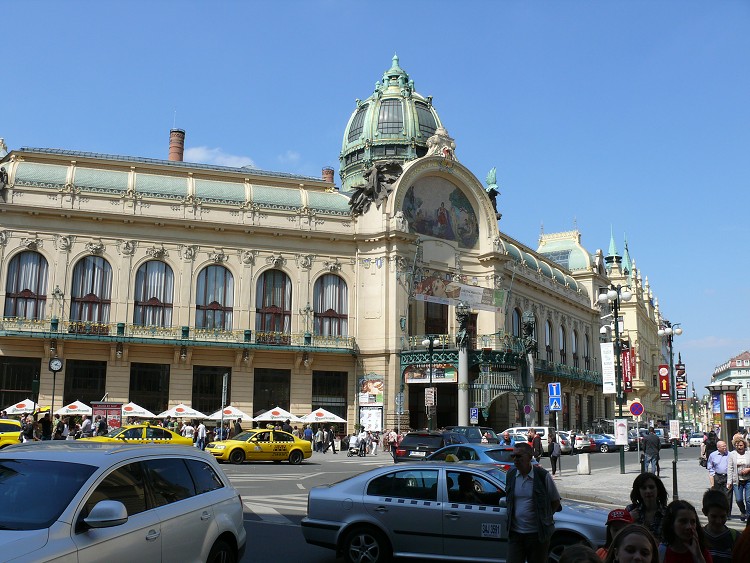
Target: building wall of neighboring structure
{"x": 737, "y": 370}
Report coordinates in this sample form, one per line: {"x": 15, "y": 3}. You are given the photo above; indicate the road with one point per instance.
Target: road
{"x": 275, "y": 497}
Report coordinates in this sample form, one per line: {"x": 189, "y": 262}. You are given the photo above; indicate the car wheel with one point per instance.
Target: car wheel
{"x": 366, "y": 545}
{"x": 237, "y": 456}
{"x": 296, "y": 457}
{"x": 604, "y": 448}
{"x": 221, "y": 552}
{"x": 559, "y": 542}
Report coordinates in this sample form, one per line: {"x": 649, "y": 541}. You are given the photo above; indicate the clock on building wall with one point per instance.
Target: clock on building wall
{"x": 55, "y": 364}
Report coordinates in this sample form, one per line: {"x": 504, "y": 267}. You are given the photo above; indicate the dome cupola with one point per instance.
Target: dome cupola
{"x": 393, "y": 124}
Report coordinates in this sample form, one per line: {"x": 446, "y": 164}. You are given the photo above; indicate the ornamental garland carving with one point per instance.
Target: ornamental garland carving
{"x": 334, "y": 266}
{"x": 218, "y": 256}
{"x": 95, "y": 247}
{"x": 31, "y": 243}
{"x": 157, "y": 252}
{"x": 276, "y": 260}
{"x": 4, "y": 235}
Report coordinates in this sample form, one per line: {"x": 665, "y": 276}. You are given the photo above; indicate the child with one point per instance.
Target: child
{"x": 682, "y": 535}
{"x": 719, "y": 539}
{"x": 616, "y": 521}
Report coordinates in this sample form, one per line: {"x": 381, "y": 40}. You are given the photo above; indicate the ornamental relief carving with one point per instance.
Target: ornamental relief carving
{"x": 4, "y": 235}
{"x": 305, "y": 261}
{"x": 276, "y": 260}
{"x": 31, "y": 243}
{"x": 156, "y": 252}
{"x": 188, "y": 251}
{"x": 218, "y": 256}
{"x": 126, "y": 247}
{"x": 95, "y": 248}
{"x": 248, "y": 256}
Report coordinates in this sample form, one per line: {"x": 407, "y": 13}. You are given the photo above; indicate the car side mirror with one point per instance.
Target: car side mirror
{"x": 503, "y": 503}
{"x": 106, "y": 514}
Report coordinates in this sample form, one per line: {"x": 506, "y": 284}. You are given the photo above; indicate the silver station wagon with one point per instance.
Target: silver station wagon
{"x": 77, "y": 501}
{"x": 439, "y": 510}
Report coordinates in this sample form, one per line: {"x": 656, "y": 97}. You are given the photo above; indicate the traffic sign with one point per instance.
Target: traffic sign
{"x": 636, "y": 408}
{"x": 527, "y": 409}
{"x": 555, "y": 404}
{"x": 746, "y": 412}
{"x": 430, "y": 396}
{"x": 473, "y": 415}
{"x": 554, "y": 389}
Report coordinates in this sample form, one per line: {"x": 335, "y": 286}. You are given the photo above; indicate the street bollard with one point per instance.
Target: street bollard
{"x": 583, "y": 464}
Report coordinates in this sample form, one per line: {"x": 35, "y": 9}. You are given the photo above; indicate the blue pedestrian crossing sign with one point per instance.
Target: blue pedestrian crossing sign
{"x": 555, "y": 404}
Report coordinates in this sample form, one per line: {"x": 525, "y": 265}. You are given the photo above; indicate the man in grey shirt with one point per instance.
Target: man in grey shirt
{"x": 651, "y": 448}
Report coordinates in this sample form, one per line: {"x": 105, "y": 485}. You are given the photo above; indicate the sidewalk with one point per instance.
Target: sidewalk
{"x": 609, "y": 487}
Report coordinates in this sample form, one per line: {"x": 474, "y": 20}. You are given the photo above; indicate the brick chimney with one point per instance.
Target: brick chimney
{"x": 328, "y": 174}
{"x": 176, "y": 144}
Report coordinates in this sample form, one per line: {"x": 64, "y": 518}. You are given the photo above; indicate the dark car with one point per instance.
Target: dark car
{"x": 474, "y": 433}
{"x": 421, "y": 443}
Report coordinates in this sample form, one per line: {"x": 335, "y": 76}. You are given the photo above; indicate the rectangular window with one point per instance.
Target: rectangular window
{"x": 149, "y": 386}
{"x": 16, "y": 375}
{"x": 207, "y": 384}
{"x": 436, "y": 318}
{"x": 271, "y": 388}
{"x": 329, "y": 391}
{"x": 85, "y": 381}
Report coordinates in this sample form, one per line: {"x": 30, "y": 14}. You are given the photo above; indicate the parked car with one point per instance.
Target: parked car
{"x": 696, "y": 439}
{"x": 88, "y": 501}
{"x": 542, "y": 431}
{"x": 583, "y": 443}
{"x": 603, "y": 443}
{"x": 419, "y": 510}
{"x": 418, "y": 445}
{"x": 499, "y": 456}
{"x": 475, "y": 433}
{"x": 563, "y": 438}
{"x": 10, "y": 432}
{"x": 632, "y": 442}
{"x": 261, "y": 445}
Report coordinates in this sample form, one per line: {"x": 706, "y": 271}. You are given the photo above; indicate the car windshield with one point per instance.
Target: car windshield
{"x": 116, "y": 432}
{"x": 427, "y": 440}
{"x": 245, "y": 436}
{"x": 33, "y": 493}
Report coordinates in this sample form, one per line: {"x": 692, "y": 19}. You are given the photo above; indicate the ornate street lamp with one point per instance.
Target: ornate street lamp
{"x": 668, "y": 331}
{"x": 430, "y": 342}
{"x": 614, "y": 296}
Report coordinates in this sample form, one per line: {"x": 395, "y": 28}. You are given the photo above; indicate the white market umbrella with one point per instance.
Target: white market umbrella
{"x": 230, "y": 412}
{"x": 74, "y": 408}
{"x": 24, "y": 407}
{"x": 276, "y": 414}
{"x": 136, "y": 411}
{"x": 181, "y": 411}
{"x": 321, "y": 415}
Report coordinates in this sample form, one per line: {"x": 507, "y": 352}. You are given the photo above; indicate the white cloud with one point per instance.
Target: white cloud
{"x": 206, "y": 155}
{"x": 289, "y": 158}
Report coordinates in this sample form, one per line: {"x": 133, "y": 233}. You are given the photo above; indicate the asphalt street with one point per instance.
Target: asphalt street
{"x": 275, "y": 495}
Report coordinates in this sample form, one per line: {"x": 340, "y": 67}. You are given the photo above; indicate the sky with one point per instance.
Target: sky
{"x": 629, "y": 117}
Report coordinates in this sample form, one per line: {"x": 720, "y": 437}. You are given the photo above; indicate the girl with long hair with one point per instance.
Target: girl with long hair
{"x": 633, "y": 544}
{"x": 649, "y": 503}
{"x": 682, "y": 535}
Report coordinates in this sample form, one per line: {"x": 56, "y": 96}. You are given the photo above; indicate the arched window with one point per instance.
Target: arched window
{"x": 516, "y": 323}
{"x": 548, "y": 341}
{"x": 26, "y": 287}
{"x": 574, "y": 348}
{"x": 214, "y": 300}
{"x": 563, "y": 353}
{"x": 273, "y": 317}
{"x": 154, "y": 292}
{"x": 91, "y": 293}
{"x": 331, "y": 297}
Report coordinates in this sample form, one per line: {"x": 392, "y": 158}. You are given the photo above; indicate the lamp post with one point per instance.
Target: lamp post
{"x": 614, "y": 296}
{"x": 429, "y": 398}
{"x": 669, "y": 330}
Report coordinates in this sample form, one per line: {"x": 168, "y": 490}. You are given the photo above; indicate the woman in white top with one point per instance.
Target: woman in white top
{"x": 738, "y": 475}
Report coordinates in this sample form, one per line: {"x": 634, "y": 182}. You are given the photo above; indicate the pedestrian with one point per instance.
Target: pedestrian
{"x": 633, "y": 544}
{"x": 101, "y": 426}
{"x": 506, "y": 440}
{"x": 718, "y": 466}
{"x": 86, "y": 429}
{"x": 45, "y": 427}
{"x": 649, "y": 503}
{"x": 683, "y": 536}
{"x": 535, "y": 440}
{"x": 392, "y": 440}
{"x": 332, "y": 439}
{"x": 616, "y": 520}
{"x": 237, "y": 426}
{"x": 319, "y": 435}
{"x": 684, "y": 439}
{"x": 651, "y": 449}
{"x": 188, "y": 430}
{"x": 200, "y": 436}
{"x": 719, "y": 538}
{"x": 738, "y": 475}
{"x": 708, "y": 447}
{"x": 27, "y": 430}
{"x": 308, "y": 434}
{"x": 286, "y": 426}
{"x": 295, "y": 431}
{"x": 554, "y": 455}
{"x": 532, "y": 500}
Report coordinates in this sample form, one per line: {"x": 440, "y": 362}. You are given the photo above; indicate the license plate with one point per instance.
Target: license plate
{"x": 416, "y": 454}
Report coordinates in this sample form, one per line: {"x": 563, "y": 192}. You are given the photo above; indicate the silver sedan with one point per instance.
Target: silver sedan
{"x": 431, "y": 509}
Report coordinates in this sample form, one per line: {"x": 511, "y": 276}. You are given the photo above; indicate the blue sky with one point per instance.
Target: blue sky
{"x": 624, "y": 115}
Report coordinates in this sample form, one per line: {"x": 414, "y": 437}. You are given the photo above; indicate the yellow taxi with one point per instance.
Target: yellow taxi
{"x": 10, "y": 431}
{"x": 261, "y": 445}
{"x": 142, "y": 434}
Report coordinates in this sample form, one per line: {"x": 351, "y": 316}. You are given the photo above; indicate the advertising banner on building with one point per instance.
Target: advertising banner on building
{"x": 440, "y": 289}
{"x": 730, "y": 402}
{"x": 371, "y": 389}
{"x": 111, "y": 412}
{"x": 680, "y": 382}
{"x": 627, "y": 367}
{"x": 716, "y": 403}
{"x": 664, "y": 382}
{"x": 609, "y": 383}
{"x": 441, "y": 373}
{"x": 371, "y": 418}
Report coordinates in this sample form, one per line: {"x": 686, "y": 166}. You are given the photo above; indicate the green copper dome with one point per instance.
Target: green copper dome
{"x": 394, "y": 123}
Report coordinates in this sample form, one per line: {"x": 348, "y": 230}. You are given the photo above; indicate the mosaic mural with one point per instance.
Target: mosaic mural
{"x": 435, "y": 207}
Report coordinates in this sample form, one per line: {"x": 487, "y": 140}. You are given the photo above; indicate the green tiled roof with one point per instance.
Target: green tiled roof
{"x": 219, "y": 192}
{"x": 110, "y": 181}
{"x": 277, "y": 198}
{"x": 161, "y": 186}
{"x": 43, "y": 175}
{"x": 329, "y": 202}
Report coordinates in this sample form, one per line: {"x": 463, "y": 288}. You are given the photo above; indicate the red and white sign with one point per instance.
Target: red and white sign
{"x": 730, "y": 402}
{"x": 627, "y": 368}
{"x": 664, "y": 382}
